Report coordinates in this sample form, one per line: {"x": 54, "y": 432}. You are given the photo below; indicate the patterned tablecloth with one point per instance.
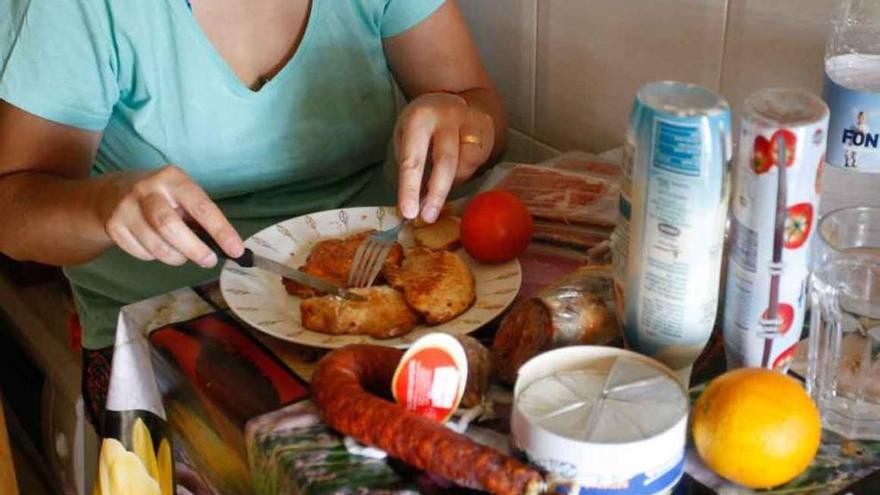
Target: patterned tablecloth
{"x": 234, "y": 405}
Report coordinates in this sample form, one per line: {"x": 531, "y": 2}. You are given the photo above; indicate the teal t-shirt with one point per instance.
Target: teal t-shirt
{"x": 143, "y": 72}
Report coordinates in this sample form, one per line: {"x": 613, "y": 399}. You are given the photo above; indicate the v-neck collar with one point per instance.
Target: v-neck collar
{"x": 182, "y": 11}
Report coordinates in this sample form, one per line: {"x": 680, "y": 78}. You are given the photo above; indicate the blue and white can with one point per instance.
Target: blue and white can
{"x": 668, "y": 243}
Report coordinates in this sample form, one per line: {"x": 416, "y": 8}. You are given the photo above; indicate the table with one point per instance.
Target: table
{"x": 143, "y": 385}
{"x": 136, "y": 358}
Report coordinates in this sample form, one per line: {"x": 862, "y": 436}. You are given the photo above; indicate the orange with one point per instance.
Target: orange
{"x": 756, "y": 427}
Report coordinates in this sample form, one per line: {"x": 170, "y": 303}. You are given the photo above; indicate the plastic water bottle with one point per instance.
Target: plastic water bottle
{"x": 852, "y": 92}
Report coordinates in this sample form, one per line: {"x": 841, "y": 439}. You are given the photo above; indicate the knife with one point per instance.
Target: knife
{"x": 250, "y": 260}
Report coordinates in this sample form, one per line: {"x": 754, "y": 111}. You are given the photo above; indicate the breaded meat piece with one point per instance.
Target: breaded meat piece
{"x": 331, "y": 259}
{"x": 383, "y": 315}
{"x": 437, "y": 284}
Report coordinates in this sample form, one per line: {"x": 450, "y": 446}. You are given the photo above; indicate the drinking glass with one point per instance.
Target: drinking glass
{"x": 843, "y": 374}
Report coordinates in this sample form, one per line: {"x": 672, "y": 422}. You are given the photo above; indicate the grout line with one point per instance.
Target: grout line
{"x": 533, "y": 120}
{"x": 532, "y": 143}
{"x": 535, "y": 67}
{"x": 724, "y": 33}
{"x": 546, "y": 145}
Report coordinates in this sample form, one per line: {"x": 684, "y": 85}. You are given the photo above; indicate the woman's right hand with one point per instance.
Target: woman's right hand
{"x": 146, "y": 213}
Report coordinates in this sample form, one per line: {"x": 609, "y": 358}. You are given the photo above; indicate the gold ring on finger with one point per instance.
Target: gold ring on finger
{"x": 471, "y": 139}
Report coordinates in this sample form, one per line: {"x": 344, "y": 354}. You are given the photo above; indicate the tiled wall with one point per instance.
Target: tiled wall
{"x": 568, "y": 69}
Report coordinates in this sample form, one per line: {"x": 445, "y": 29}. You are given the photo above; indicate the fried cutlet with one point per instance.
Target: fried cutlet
{"x": 383, "y": 315}
{"x": 436, "y": 284}
{"x": 331, "y": 260}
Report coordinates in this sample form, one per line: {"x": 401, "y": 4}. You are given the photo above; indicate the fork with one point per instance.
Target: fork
{"x": 371, "y": 255}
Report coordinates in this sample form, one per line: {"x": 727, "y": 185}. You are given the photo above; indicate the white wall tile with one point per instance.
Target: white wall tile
{"x": 519, "y": 147}
{"x": 542, "y": 152}
{"x": 522, "y": 148}
{"x": 778, "y": 43}
{"x": 504, "y": 31}
{"x": 594, "y": 54}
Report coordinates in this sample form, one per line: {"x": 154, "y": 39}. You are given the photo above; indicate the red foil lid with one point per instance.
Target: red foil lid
{"x": 431, "y": 377}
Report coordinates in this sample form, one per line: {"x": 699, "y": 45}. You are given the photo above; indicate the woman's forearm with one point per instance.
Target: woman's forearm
{"x": 51, "y": 219}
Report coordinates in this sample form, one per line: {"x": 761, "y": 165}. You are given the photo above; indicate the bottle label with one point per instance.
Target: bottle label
{"x": 854, "y": 128}
{"x": 620, "y": 237}
{"x": 678, "y": 210}
{"x": 673, "y": 299}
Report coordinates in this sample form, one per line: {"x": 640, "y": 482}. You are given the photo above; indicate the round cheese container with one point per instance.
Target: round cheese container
{"x": 601, "y": 421}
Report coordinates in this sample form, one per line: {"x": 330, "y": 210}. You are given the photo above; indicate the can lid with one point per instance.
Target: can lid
{"x": 431, "y": 377}
{"x": 681, "y": 99}
{"x": 782, "y": 107}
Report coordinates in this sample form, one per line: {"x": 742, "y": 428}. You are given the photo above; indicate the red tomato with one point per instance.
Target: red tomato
{"x": 786, "y": 313}
{"x": 761, "y": 160}
{"x": 798, "y": 224}
{"x": 496, "y": 226}
{"x": 790, "y": 146}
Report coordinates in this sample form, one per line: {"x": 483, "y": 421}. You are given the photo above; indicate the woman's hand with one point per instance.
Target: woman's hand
{"x": 460, "y": 139}
{"x": 146, "y": 214}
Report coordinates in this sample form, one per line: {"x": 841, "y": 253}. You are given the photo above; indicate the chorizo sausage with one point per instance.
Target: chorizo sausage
{"x": 348, "y": 386}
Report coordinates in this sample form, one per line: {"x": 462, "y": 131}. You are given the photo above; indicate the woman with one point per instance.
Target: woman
{"x": 122, "y": 123}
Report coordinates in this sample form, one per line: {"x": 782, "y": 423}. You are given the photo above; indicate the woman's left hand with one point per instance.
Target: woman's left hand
{"x": 460, "y": 139}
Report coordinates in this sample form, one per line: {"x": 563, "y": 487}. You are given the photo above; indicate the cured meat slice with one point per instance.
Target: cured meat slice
{"x": 608, "y": 171}
{"x": 559, "y": 195}
{"x": 544, "y": 266}
{"x": 570, "y": 235}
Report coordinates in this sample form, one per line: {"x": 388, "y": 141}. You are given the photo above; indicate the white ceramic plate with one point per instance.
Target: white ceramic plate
{"x": 258, "y": 298}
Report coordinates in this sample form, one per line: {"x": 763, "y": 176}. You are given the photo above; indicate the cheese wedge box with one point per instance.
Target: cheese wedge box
{"x": 601, "y": 420}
